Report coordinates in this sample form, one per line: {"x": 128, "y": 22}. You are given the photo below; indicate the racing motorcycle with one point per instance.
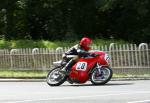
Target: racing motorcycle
{"x": 94, "y": 68}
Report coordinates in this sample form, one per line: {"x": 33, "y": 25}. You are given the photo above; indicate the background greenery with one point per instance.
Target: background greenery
{"x": 72, "y": 19}
{"x": 9, "y": 44}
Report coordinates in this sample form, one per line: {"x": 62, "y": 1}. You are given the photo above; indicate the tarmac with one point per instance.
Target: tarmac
{"x": 44, "y": 80}
{"x": 137, "y": 91}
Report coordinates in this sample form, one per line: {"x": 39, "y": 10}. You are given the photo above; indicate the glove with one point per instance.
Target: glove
{"x": 64, "y": 56}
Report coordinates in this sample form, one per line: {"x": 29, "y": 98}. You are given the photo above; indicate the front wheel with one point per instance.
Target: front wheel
{"x": 55, "y": 77}
{"x": 103, "y": 77}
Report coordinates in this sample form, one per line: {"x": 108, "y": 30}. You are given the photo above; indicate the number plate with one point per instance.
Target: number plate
{"x": 81, "y": 66}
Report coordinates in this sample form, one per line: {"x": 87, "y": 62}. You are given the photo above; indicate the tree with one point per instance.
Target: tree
{"x": 128, "y": 19}
{"x": 73, "y": 19}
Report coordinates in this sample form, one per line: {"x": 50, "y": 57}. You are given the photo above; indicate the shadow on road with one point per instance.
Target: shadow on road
{"x": 108, "y": 84}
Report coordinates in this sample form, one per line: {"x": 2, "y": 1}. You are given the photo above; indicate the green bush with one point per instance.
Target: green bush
{"x": 49, "y": 44}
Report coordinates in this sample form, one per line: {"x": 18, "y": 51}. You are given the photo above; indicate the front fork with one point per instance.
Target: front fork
{"x": 99, "y": 68}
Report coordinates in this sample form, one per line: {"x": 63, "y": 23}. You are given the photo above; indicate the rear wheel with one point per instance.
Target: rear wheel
{"x": 55, "y": 77}
{"x": 101, "y": 78}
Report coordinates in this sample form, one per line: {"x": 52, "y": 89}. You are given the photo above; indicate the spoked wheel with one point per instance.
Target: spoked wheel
{"x": 55, "y": 77}
{"x": 101, "y": 78}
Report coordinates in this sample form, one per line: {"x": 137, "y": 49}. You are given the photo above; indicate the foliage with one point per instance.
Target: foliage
{"x": 5, "y": 44}
{"x": 72, "y": 19}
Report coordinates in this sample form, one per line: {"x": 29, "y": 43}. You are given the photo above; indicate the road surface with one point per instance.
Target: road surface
{"x": 40, "y": 92}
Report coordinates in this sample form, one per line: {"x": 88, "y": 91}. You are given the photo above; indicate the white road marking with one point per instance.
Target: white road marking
{"x": 85, "y": 96}
{"x": 142, "y": 101}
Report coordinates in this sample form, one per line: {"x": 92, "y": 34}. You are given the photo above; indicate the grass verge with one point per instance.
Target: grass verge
{"x": 22, "y": 74}
{"x": 42, "y": 74}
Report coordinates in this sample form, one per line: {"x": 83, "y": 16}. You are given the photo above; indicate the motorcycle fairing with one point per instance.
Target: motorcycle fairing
{"x": 80, "y": 70}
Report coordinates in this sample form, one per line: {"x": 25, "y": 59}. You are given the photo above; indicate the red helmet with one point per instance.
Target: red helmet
{"x": 85, "y": 43}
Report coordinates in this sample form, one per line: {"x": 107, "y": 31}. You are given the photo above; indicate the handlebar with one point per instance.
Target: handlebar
{"x": 94, "y": 55}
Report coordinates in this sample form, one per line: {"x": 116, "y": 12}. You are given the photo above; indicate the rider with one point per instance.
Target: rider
{"x": 80, "y": 50}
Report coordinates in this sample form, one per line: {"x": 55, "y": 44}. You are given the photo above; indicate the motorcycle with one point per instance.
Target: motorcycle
{"x": 95, "y": 67}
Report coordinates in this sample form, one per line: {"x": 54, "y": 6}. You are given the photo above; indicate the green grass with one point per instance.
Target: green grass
{"x": 131, "y": 75}
{"x": 22, "y": 74}
{"x": 49, "y": 44}
{"x": 43, "y": 74}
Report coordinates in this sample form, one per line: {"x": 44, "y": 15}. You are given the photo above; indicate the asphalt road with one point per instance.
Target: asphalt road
{"x": 40, "y": 92}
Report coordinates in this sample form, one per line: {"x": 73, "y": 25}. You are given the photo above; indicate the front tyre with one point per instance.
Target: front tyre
{"x": 103, "y": 78}
{"x": 55, "y": 77}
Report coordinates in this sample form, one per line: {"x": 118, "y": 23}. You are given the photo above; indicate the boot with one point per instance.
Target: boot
{"x": 66, "y": 70}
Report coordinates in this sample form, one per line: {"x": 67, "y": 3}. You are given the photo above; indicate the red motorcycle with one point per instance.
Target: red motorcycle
{"x": 94, "y": 68}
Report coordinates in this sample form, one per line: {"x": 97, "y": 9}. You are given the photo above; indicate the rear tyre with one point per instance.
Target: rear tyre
{"x": 55, "y": 77}
{"x": 103, "y": 78}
